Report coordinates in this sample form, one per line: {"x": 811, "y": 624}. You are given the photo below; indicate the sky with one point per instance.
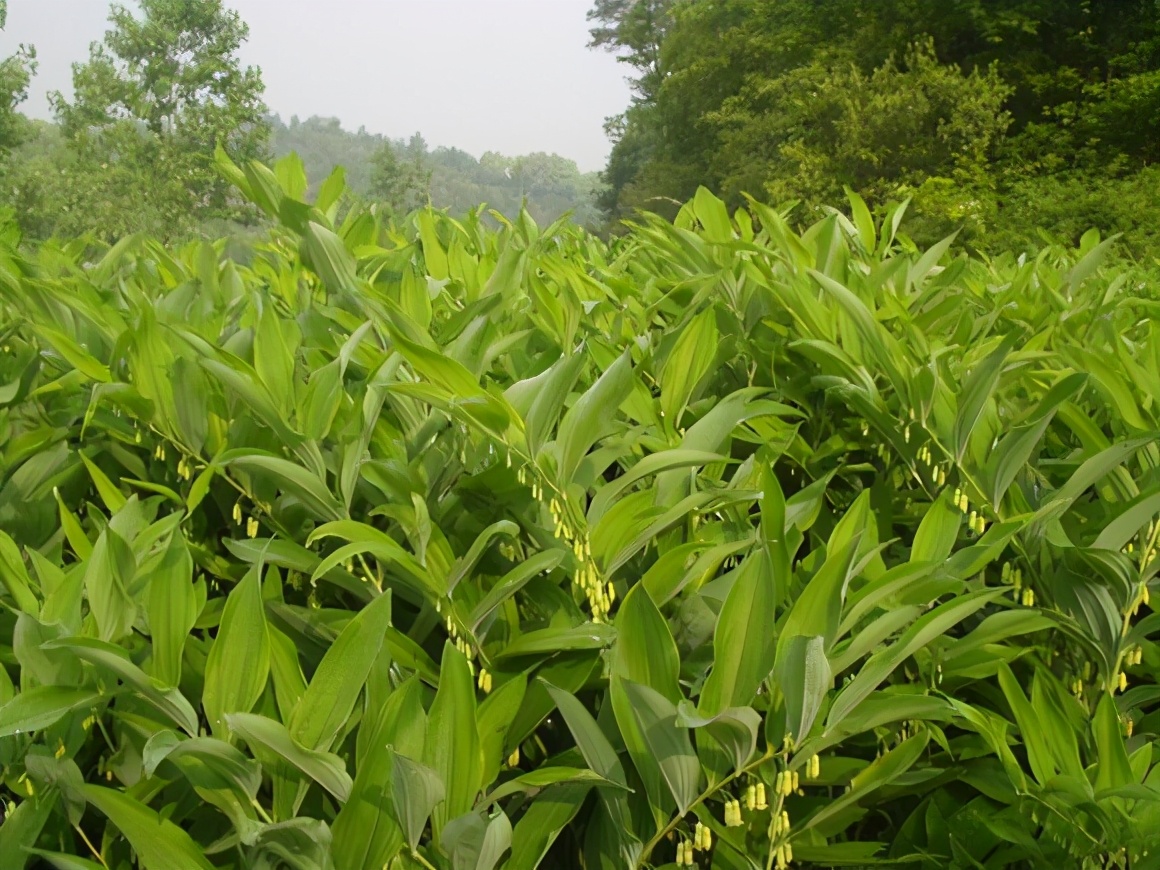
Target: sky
{"x": 513, "y": 76}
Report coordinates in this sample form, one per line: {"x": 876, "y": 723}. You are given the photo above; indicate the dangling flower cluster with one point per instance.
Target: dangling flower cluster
{"x": 469, "y": 651}
{"x": 961, "y": 500}
{"x": 784, "y": 856}
{"x": 252, "y": 527}
{"x": 513, "y": 760}
{"x": 159, "y": 452}
{"x": 755, "y": 797}
{"x": 733, "y": 813}
{"x": 485, "y": 680}
{"x": 702, "y": 838}
{"x": 1028, "y": 597}
{"x": 684, "y": 854}
{"x": 601, "y": 596}
{"x": 184, "y": 470}
{"x": 787, "y": 783}
{"x": 1122, "y": 683}
{"x": 1141, "y": 599}
{"x": 1134, "y": 656}
{"x": 27, "y": 783}
{"x": 237, "y": 513}
{"x": 814, "y": 767}
{"x": 1129, "y": 725}
{"x": 780, "y": 825}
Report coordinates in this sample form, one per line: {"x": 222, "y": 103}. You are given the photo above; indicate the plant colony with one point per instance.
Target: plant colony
{"x": 435, "y": 545}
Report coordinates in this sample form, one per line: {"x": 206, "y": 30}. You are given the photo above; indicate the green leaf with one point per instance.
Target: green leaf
{"x": 803, "y": 673}
{"x": 325, "y": 253}
{"x": 158, "y": 843}
{"x": 38, "y": 707}
{"x": 743, "y": 645}
{"x": 272, "y": 739}
{"x": 74, "y": 354}
{"x": 938, "y": 530}
{"x": 291, "y": 477}
{"x": 548, "y": 815}
{"x": 108, "y": 572}
{"x": 1011, "y": 454}
{"x": 415, "y": 790}
{"x": 15, "y": 577}
{"x": 597, "y": 752}
{"x": 513, "y": 582}
{"x": 170, "y": 701}
{"x": 881, "y": 772}
{"x": 883, "y": 663}
{"x": 645, "y": 651}
{"x": 171, "y": 607}
{"x": 453, "y": 748}
{"x": 476, "y": 843}
{"x": 591, "y": 414}
{"x": 1039, "y": 755}
{"x": 238, "y": 664}
{"x": 1114, "y": 769}
{"x": 108, "y": 492}
{"x": 977, "y": 389}
{"x": 687, "y": 363}
{"x": 1116, "y": 534}
{"x": 327, "y": 703}
{"x": 669, "y": 743}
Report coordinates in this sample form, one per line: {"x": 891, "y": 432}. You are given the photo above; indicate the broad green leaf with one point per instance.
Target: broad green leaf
{"x": 668, "y": 742}
{"x": 687, "y": 363}
{"x": 158, "y": 842}
{"x": 238, "y": 664}
{"x": 977, "y": 389}
{"x": 591, "y": 414}
{"x": 330, "y": 697}
{"x": 803, "y": 673}
{"x": 415, "y": 790}
{"x": 272, "y": 739}
{"x": 453, "y": 748}
{"x": 109, "y": 571}
{"x": 743, "y": 645}
{"x": 539, "y": 827}
{"x": 115, "y": 660}
{"x": 645, "y": 651}
{"x": 38, "y": 707}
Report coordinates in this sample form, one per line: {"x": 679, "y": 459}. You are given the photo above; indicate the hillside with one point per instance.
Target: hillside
{"x": 552, "y": 184}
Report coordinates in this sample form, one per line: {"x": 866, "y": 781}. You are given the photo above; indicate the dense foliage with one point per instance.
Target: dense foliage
{"x": 15, "y": 75}
{"x": 423, "y": 544}
{"x": 1003, "y": 117}
{"x": 133, "y": 150}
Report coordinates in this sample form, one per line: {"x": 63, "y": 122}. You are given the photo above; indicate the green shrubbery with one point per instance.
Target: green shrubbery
{"x": 428, "y": 545}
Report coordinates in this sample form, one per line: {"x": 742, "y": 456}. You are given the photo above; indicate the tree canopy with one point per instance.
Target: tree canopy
{"x": 979, "y": 110}
{"x": 151, "y": 104}
{"x": 15, "y": 74}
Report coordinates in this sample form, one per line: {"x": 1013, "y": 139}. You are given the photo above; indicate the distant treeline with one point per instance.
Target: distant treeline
{"x": 404, "y": 172}
{"x": 133, "y": 150}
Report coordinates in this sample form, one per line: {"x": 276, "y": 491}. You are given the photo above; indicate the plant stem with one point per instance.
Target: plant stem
{"x": 646, "y": 852}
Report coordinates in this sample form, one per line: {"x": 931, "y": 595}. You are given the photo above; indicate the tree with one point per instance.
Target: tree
{"x": 634, "y": 30}
{"x": 795, "y": 98}
{"x": 152, "y": 103}
{"x": 400, "y": 182}
{"x": 15, "y": 74}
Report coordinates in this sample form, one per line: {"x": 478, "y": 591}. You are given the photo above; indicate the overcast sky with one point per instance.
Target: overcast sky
{"x": 513, "y": 76}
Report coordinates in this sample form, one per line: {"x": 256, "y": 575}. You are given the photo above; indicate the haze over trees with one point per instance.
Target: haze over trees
{"x": 132, "y": 151}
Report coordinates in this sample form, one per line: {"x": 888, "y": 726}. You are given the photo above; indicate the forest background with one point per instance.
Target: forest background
{"x": 1016, "y": 122}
